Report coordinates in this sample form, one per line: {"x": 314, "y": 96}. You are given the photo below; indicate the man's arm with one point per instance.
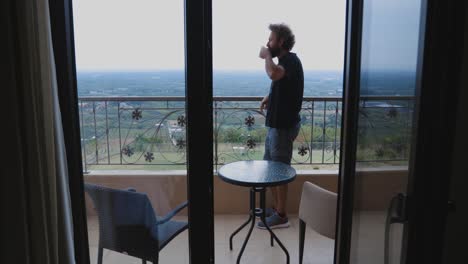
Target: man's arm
{"x": 275, "y": 72}
{"x": 264, "y": 103}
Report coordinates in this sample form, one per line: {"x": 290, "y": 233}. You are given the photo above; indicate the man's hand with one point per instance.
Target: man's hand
{"x": 264, "y": 103}
{"x": 264, "y": 52}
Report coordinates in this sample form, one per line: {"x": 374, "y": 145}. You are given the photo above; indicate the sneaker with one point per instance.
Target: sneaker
{"x": 274, "y": 221}
{"x": 269, "y": 212}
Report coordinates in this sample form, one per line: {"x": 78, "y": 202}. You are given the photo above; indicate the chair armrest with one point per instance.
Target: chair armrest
{"x": 130, "y": 189}
{"x": 172, "y": 213}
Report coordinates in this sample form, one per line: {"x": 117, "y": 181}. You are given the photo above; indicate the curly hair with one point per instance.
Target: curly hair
{"x": 283, "y": 32}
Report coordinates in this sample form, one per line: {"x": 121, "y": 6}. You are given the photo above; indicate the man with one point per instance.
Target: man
{"x": 283, "y": 104}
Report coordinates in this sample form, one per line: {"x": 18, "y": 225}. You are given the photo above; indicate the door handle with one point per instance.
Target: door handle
{"x": 397, "y": 209}
{"x": 451, "y": 206}
{"x": 396, "y": 213}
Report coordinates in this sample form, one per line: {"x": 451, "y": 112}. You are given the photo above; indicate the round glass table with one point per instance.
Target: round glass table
{"x": 257, "y": 174}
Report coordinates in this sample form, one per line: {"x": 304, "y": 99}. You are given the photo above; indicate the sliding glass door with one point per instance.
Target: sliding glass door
{"x": 383, "y": 73}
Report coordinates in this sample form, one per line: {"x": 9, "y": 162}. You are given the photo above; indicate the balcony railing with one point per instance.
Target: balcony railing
{"x": 125, "y": 131}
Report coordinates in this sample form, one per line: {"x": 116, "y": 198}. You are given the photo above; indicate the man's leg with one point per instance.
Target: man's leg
{"x": 282, "y": 191}
{"x": 283, "y": 153}
{"x": 281, "y": 147}
{"x": 267, "y": 156}
{"x": 278, "y": 219}
{"x": 282, "y": 195}
{"x": 274, "y": 194}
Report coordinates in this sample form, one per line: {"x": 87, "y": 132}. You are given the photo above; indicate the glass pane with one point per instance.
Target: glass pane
{"x": 388, "y": 78}
{"x": 240, "y": 28}
{"x": 131, "y": 88}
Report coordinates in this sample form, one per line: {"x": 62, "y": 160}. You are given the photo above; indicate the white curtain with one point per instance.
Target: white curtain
{"x": 43, "y": 197}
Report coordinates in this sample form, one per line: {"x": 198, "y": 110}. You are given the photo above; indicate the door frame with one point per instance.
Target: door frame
{"x": 438, "y": 67}
{"x": 349, "y": 131}
{"x": 199, "y": 107}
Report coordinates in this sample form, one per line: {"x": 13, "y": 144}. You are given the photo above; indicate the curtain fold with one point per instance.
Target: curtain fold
{"x": 44, "y": 197}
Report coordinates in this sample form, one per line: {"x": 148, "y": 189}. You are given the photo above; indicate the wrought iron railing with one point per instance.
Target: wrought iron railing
{"x": 148, "y": 131}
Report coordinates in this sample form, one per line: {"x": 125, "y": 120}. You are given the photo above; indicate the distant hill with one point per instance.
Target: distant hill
{"x": 234, "y": 83}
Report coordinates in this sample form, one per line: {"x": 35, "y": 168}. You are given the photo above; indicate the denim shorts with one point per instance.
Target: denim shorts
{"x": 279, "y": 143}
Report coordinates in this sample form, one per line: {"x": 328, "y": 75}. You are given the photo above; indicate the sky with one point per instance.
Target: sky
{"x": 149, "y": 34}
{"x": 390, "y": 34}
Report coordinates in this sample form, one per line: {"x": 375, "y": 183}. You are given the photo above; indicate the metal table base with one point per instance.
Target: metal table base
{"x": 260, "y": 212}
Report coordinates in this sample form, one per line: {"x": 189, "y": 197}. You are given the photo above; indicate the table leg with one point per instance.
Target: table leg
{"x": 245, "y": 241}
{"x": 252, "y": 214}
{"x": 252, "y": 217}
{"x": 237, "y": 231}
{"x": 262, "y": 218}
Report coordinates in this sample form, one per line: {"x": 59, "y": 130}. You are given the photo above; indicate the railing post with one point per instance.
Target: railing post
{"x": 215, "y": 129}
{"x": 120, "y": 136}
{"x": 336, "y": 128}
{"x": 407, "y": 128}
{"x": 95, "y": 133}
{"x": 83, "y": 137}
{"x": 107, "y": 135}
{"x": 312, "y": 132}
{"x": 324, "y": 130}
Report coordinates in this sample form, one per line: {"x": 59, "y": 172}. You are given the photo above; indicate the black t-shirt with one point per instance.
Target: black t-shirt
{"x": 285, "y": 98}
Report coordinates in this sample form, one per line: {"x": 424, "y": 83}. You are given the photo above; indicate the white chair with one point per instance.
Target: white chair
{"x": 317, "y": 209}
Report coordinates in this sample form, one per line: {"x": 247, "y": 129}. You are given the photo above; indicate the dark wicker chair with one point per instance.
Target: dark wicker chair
{"x": 128, "y": 224}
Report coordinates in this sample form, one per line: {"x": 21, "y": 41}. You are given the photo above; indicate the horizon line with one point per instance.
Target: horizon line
{"x": 168, "y": 69}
